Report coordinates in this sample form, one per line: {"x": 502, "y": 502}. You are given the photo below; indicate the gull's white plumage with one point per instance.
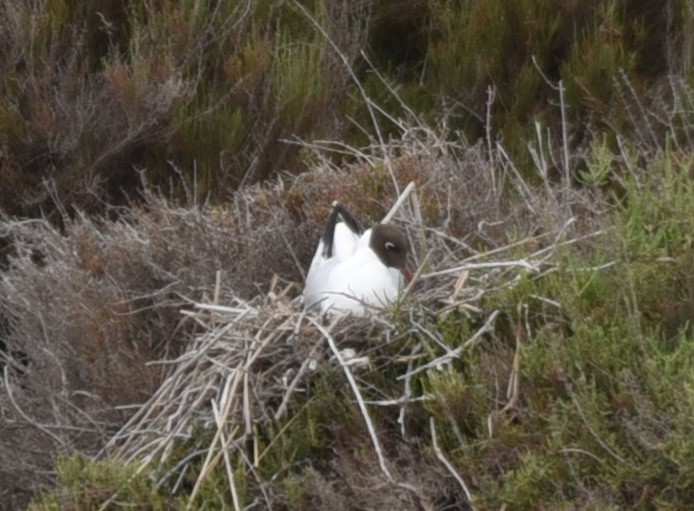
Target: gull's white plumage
{"x": 347, "y": 274}
{"x": 344, "y": 245}
{"x": 361, "y": 281}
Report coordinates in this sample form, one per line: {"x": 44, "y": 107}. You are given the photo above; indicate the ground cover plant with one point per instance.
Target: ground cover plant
{"x": 154, "y": 350}
{"x": 540, "y": 359}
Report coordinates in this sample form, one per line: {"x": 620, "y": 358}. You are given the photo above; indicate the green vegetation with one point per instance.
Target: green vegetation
{"x": 579, "y": 396}
{"x": 91, "y": 93}
{"x": 88, "y": 485}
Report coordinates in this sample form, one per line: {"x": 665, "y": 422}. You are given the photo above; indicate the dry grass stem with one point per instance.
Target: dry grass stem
{"x": 447, "y": 464}
{"x": 441, "y": 362}
{"x": 398, "y": 203}
{"x": 358, "y": 397}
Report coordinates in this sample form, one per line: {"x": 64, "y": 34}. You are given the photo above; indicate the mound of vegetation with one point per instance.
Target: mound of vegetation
{"x": 541, "y": 357}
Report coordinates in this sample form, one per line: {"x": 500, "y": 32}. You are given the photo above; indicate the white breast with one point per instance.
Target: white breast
{"x": 345, "y": 243}
{"x": 358, "y": 283}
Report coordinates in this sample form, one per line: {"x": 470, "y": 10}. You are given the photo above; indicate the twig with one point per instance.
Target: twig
{"x": 362, "y": 91}
{"x": 408, "y": 189}
{"x": 282, "y": 408}
{"x": 415, "y": 278}
{"x": 564, "y": 121}
{"x": 592, "y": 431}
{"x": 29, "y": 420}
{"x": 357, "y": 395}
{"x": 448, "y": 357}
{"x": 520, "y": 183}
{"x": 513, "y": 390}
{"x": 483, "y": 266}
{"x": 167, "y": 389}
{"x": 491, "y": 95}
{"x": 225, "y": 452}
{"x": 208, "y": 464}
{"x": 582, "y": 451}
{"x": 447, "y": 464}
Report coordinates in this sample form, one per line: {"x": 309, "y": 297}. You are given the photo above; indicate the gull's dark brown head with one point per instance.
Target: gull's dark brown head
{"x": 392, "y": 247}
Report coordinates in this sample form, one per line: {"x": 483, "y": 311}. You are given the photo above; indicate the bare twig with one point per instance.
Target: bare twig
{"x": 405, "y": 193}
{"x": 31, "y": 422}
{"x": 451, "y": 354}
{"x": 447, "y": 464}
{"x": 357, "y": 395}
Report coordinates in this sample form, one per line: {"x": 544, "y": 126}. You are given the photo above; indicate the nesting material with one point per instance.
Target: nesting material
{"x": 248, "y": 362}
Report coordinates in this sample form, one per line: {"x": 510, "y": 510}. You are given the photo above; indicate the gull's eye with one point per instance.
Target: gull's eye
{"x": 390, "y": 246}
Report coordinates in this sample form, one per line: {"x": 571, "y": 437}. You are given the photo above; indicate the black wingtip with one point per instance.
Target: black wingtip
{"x": 348, "y": 218}
{"x": 338, "y": 214}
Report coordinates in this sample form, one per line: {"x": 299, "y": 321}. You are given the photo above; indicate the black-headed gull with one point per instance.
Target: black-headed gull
{"x": 354, "y": 270}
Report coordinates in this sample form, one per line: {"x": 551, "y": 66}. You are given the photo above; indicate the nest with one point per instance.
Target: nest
{"x": 246, "y": 363}
{"x": 122, "y": 340}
